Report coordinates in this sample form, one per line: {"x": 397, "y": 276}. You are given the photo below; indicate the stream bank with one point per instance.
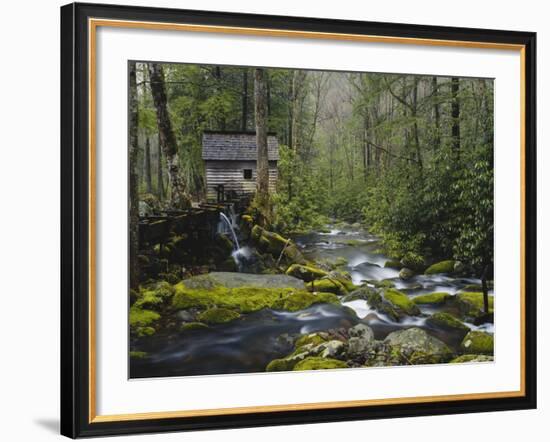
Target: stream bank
{"x": 340, "y": 305}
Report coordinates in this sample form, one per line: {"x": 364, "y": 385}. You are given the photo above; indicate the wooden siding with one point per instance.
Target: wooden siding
{"x": 230, "y": 174}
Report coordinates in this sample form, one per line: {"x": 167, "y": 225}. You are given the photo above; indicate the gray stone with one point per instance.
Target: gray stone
{"x": 332, "y": 349}
{"x": 362, "y": 331}
{"x": 418, "y": 340}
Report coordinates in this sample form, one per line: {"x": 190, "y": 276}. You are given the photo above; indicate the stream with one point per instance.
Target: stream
{"x": 249, "y": 344}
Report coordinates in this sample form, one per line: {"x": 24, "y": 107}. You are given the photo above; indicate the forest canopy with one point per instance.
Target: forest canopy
{"x": 408, "y": 156}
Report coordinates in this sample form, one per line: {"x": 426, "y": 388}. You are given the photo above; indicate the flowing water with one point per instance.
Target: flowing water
{"x": 250, "y": 343}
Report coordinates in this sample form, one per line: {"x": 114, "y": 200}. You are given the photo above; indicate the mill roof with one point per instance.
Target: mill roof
{"x": 236, "y": 146}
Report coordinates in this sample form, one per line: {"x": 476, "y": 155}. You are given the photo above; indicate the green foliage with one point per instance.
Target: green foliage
{"x": 356, "y": 147}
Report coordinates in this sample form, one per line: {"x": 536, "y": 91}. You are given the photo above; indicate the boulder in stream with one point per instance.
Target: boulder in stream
{"x": 405, "y": 273}
{"x": 447, "y": 321}
{"x": 447, "y": 266}
{"x": 417, "y": 347}
{"x": 478, "y": 342}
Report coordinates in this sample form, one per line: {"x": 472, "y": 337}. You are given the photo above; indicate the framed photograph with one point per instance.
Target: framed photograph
{"x": 279, "y": 220}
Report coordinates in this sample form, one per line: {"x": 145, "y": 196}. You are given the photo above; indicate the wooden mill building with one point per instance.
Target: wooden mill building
{"x": 230, "y": 163}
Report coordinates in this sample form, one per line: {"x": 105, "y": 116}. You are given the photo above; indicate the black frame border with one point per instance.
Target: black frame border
{"x": 75, "y": 220}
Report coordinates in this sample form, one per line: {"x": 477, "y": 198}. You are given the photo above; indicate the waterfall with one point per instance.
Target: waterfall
{"x": 224, "y": 220}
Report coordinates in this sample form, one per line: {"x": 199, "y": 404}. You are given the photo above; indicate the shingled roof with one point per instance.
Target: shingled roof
{"x": 236, "y": 146}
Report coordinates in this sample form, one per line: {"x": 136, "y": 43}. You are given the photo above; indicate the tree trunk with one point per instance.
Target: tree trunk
{"x": 485, "y": 290}
{"x": 262, "y": 161}
{"x": 147, "y": 166}
{"x": 160, "y": 179}
{"x": 133, "y": 182}
{"x": 178, "y": 195}
{"x": 244, "y": 116}
{"x": 455, "y": 115}
{"x": 366, "y": 150}
{"x": 437, "y": 117}
{"x": 415, "y": 122}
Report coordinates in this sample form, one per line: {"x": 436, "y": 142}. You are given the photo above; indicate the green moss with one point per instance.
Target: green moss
{"x": 432, "y": 298}
{"x": 315, "y": 363}
{"x": 247, "y": 299}
{"x": 280, "y": 365}
{"x": 441, "y": 267}
{"x": 153, "y": 295}
{"x": 144, "y": 331}
{"x": 327, "y": 285}
{"x": 471, "y": 303}
{"x": 447, "y": 321}
{"x": 314, "y": 339}
{"x": 393, "y": 264}
{"x": 383, "y": 284}
{"x": 340, "y": 261}
{"x": 471, "y": 358}
{"x": 300, "y": 300}
{"x": 141, "y": 317}
{"x": 401, "y": 301}
{"x": 138, "y": 354}
{"x": 478, "y": 342}
{"x": 193, "y": 326}
{"x": 218, "y": 315}
{"x": 305, "y": 273}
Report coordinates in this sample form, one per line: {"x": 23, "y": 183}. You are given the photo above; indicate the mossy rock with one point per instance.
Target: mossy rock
{"x": 247, "y": 222}
{"x": 248, "y": 299}
{"x": 401, "y": 302}
{"x": 470, "y": 304}
{"x": 154, "y": 295}
{"x": 448, "y": 322}
{"x": 362, "y": 293}
{"x": 275, "y": 244}
{"x": 280, "y": 365}
{"x": 433, "y": 298}
{"x": 218, "y": 315}
{"x": 340, "y": 261}
{"x": 141, "y": 317}
{"x": 416, "y": 346}
{"x": 405, "y": 274}
{"x": 187, "y": 326}
{"x": 381, "y": 305}
{"x": 383, "y": 284}
{"x": 478, "y": 342}
{"x": 305, "y": 273}
{"x": 471, "y": 358}
{"x": 302, "y": 300}
{"x": 316, "y": 363}
{"x": 138, "y": 354}
{"x": 344, "y": 278}
{"x": 327, "y": 285}
{"x": 441, "y": 267}
{"x": 314, "y": 339}
{"x": 143, "y": 331}
{"x": 393, "y": 264}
